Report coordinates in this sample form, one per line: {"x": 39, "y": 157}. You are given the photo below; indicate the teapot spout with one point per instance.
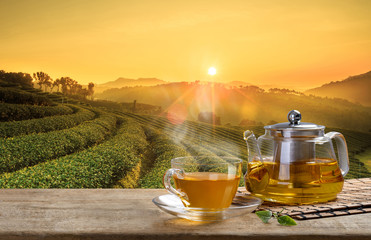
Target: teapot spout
{"x": 248, "y": 134}
{"x": 253, "y": 149}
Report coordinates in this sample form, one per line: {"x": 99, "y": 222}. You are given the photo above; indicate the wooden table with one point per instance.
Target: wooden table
{"x": 130, "y": 214}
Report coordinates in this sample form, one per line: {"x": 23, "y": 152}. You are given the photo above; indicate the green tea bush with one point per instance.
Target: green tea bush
{"x": 23, "y": 151}
{"x": 47, "y": 124}
{"x": 163, "y": 149}
{"x": 17, "y": 112}
{"x": 97, "y": 167}
{"x": 16, "y": 96}
{"x": 131, "y": 178}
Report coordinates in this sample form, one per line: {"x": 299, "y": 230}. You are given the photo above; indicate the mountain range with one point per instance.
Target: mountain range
{"x": 355, "y": 89}
{"x": 128, "y": 82}
{"x": 146, "y": 82}
{"x": 238, "y": 105}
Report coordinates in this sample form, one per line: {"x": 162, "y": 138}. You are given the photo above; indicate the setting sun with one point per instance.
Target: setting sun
{"x": 212, "y": 71}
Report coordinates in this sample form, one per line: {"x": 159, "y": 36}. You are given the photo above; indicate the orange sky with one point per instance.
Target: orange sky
{"x": 289, "y": 43}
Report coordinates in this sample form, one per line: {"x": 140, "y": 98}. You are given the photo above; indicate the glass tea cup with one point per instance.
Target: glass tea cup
{"x": 205, "y": 184}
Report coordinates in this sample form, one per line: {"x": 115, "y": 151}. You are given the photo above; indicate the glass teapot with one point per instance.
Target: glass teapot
{"x": 295, "y": 163}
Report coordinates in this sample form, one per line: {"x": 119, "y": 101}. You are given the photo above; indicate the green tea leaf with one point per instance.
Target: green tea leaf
{"x": 286, "y": 220}
{"x": 264, "y": 215}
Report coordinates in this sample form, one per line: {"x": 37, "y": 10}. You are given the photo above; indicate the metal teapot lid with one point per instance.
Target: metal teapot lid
{"x": 295, "y": 125}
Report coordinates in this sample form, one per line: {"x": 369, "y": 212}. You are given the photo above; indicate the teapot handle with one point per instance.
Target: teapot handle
{"x": 342, "y": 151}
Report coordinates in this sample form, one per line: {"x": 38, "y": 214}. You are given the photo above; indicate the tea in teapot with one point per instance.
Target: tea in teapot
{"x": 295, "y": 163}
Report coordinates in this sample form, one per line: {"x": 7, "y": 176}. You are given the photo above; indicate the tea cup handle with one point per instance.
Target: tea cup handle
{"x": 342, "y": 151}
{"x": 167, "y": 181}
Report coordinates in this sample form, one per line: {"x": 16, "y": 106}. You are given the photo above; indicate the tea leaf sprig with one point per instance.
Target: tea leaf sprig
{"x": 284, "y": 220}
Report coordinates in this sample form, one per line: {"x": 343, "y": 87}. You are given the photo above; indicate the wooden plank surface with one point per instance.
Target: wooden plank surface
{"x": 130, "y": 214}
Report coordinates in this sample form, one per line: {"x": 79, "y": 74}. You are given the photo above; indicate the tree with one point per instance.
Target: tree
{"x": 63, "y": 82}
{"x": 73, "y": 86}
{"x": 21, "y": 78}
{"x": 67, "y": 84}
{"x": 57, "y": 83}
{"x": 91, "y": 90}
{"x": 83, "y": 92}
{"x": 42, "y": 79}
{"x": 48, "y": 83}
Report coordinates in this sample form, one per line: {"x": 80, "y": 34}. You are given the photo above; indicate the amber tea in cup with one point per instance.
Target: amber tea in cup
{"x": 204, "y": 182}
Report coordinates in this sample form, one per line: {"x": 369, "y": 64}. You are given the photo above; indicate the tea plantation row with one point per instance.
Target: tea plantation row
{"x": 46, "y": 124}
{"x": 28, "y": 150}
{"x": 17, "y": 112}
{"x": 18, "y": 96}
{"x": 96, "y": 167}
{"x": 197, "y": 137}
{"x": 71, "y": 146}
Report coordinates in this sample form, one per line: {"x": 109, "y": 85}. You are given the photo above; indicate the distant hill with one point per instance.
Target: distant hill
{"x": 127, "y": 82}
{"x": 355, "y": 89}
{"x": 252, "y": 103}
{"x": 147, "y": 82}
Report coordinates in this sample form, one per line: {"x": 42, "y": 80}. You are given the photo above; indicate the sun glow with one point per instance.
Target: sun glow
{"x": 212, "y": 71}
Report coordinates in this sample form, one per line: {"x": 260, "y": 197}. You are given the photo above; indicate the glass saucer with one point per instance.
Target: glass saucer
{"x": 173, "y": 205}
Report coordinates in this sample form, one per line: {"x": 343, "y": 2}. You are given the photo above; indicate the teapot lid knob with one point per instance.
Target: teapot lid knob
{"x": 294, "y": 117}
